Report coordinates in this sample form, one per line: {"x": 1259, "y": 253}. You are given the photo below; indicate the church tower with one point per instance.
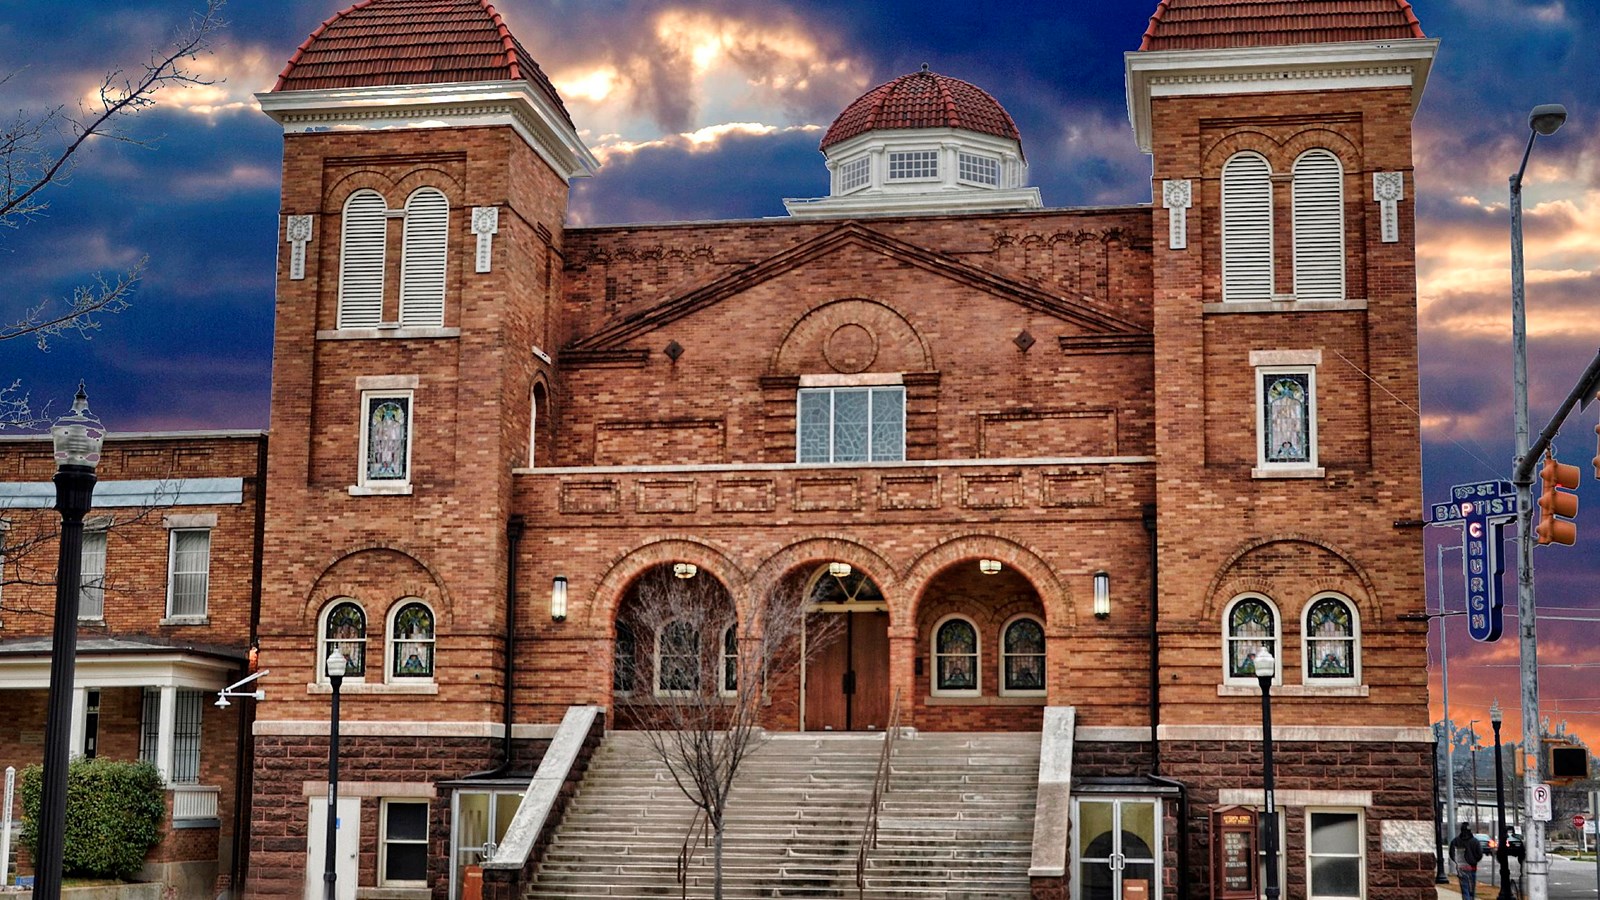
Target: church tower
{"x": 425, "y": 179}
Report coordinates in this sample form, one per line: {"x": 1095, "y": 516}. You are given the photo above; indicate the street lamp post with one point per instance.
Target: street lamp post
{"x": 335, "y": 665}
{"x": 1502, "y": 848}
{"x": 77, "y": 438}
{"x": 1472, "y": 731}
{"x": 1544, "y": 119}
{"x": 1266, "y": 667}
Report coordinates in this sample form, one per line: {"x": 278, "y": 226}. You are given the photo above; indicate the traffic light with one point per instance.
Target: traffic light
{"x": 1557, "y": 506}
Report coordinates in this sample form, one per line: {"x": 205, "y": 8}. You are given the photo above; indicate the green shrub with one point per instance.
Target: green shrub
{"x": 114, "y": 813}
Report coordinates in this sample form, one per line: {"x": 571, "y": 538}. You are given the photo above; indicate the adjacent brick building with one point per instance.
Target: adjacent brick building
{"x": 1090, "y": 458}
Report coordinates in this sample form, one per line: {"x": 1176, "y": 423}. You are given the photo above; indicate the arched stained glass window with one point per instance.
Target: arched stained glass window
{"x": 411, "y": 641}
{"x": 1330, "y": 639}
{"x": 345, "y": 631}
{"x": 1022, "y": 657}
{"x": 955, "y": 656}
{"x": 678, "y": 659}
{"x": 1252, "y": 627}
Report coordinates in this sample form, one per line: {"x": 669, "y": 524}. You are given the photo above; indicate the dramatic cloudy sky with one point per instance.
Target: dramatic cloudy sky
{"x": 713, "y": 109}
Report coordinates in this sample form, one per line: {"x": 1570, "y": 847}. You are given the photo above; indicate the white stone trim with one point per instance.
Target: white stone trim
{"x": 1285, "y": 357}
{"x": 401, "y": 789}
{"x": 926, "y": 203}
{"x": 1177, "y": 195}
{"x": 1407, "y": 836}
{"x": 863, "y": 379}
{"x": 402, "y": 728}
{"x": 203, "y": 673}
{"x": 389, "y": 332}
{"x": 1296, "y": 690}
{"x": 1113, "y": 733}
{"x": 1298, "y": 733}
{"x": 1287, "y": 305}
{"x": 374, "y": 687}
{"x": 387, "y": 382}
{"x": 515, "y": 104}
{"x": 1388, "y": 189}
{"x": 189, "y": 520}
{"x": 297, "y": 231}
{"x": 485, "y": 224}
{"x": 1252, "y": 796}
{"x": 125, "y": 494}
{"x": 1295, "y": 67}
{"x": 1032, "y": 462}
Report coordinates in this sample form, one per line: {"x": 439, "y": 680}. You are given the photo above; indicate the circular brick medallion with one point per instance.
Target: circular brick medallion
{"x": 851, "y": 348}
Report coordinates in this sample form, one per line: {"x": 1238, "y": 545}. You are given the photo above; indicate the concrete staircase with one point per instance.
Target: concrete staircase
{"x": 957, "y": 823}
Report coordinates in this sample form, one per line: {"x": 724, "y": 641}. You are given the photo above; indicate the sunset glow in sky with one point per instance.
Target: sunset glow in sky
{"x": 712, "y": 109}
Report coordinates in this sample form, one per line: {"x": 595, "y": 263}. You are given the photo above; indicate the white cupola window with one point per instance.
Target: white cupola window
{"x": 361, "y": 251}
{"x": 422, "y": 263}
{"x": 1318, "y": 226}
{"x": 1246, "y": 229}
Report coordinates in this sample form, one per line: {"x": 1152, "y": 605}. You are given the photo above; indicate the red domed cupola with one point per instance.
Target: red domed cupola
{"x": 923, "y": 100}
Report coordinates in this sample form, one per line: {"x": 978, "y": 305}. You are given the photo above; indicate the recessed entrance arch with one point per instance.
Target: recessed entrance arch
{"x": 846, "y": 680}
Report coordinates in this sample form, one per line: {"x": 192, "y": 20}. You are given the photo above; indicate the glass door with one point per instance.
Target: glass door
{"x": 1118, "y": 845}
{"x": 479, "y": 821}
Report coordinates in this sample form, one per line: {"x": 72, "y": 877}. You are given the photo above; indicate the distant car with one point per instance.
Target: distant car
{"x": 1485, "y": 843}
{"x": 1514, "y": 847}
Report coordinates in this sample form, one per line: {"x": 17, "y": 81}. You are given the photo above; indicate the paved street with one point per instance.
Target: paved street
{"x": 1569, "y": 880}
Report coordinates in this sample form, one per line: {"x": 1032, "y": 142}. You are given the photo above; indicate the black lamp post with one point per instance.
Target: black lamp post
{"x": 77, "y": 438}
{"x": 1502, "y": 849}
{"x": 1266, "y": 667}
{"x": 1438, "y": 809}
{"x": 336, "y": 663}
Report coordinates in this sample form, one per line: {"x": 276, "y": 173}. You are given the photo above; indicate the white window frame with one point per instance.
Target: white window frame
{"x": 934, "y": 655}
{"x": 1227, "y": 637}
{"x": 323, "y": 648}
{"x": 889, "y": 176}
{"x": 861, "y": 162}
{"x": 92, "y": 581}
{"x": 1311, "y": 467}
{"x": 392, "y": 641}
{"x": 1360, "y": 854}
{"x": 699, "y": 660}
{"x": 724, "y": 658}
{"x": 981, "y": 158}
{"x": 346, "y": 315}
{"x": 173, "y": 616}
{"x": 384, "y": 840}
{"x": 1003, "y": 656}
{"x": 1306, "y": 638}
{"x": 1232, "y": 254}
{"x": 1308, "y": 226}
{"x": 832, "y": 392}
{"x": 386, "y": 485}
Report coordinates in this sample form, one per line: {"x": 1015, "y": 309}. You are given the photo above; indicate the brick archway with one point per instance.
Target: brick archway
{"x": 1060, "y": 613}
{"x": 1232, "y": 579}
{"x": 625, "y": 570}
{"x": 342, "y": 577}
{"x": 835, "y": 548}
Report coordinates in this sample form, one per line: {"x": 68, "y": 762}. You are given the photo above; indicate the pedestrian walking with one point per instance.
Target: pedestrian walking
{"x": 1465, "y": 853}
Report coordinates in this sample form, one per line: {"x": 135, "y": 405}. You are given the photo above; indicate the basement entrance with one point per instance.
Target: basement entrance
{"x": 847, "y": 654}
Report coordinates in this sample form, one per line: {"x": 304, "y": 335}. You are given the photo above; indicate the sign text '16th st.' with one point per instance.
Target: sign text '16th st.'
{"x": 1480, "y": 509}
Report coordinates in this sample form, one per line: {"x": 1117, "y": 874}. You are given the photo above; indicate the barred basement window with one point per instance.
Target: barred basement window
{"x": 189, "y": 572}
{"x": 1318, "y": 226}
{"x": 1246, "y": 228}
{"x": 423, "y": 258}
{"x": 361, "y": 260}
{"x": 856, "y": 173}
{"x": 979, "y": 169}
{"x": 913, "y": 165}
{"x": 187, "y": 707}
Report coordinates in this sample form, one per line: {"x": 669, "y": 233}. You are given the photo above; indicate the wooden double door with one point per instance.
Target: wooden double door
{"x": 847, "y": 671}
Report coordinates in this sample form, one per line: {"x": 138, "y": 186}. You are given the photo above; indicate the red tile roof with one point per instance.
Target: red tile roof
{"x": 1215, "y": 24}
{"x": 379, "y": 43}
{"x": 923, "y": 100}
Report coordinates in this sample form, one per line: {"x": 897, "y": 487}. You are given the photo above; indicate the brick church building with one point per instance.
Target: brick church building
{"x": 1079, "y": 468}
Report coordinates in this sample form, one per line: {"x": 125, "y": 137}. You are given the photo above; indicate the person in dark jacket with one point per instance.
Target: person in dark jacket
{"x": 1466, "y": 852}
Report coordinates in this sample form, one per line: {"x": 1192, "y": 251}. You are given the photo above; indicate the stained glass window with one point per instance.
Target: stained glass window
{"x": 1252, "y": 627}
{"x": 388, "y": 438}
{"x": 1286, "y": 417}
{"x": 1330, "y": 639}
{"x": 955, "y": 655}
{"x": 730, "y": 660}
{"x": 852, "y": 424}
{"x": 412, "y": 642}
{"x": 624, "y": 656}
{"x": 1022, "y": 652}
{"x": 678, "y": 659}
{"x": 346, "y": 632}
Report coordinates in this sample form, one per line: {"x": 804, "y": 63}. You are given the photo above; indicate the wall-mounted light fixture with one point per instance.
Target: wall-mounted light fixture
{"x": 1102, "y": 595}
{"x": 839, "y": 569}
{"x": 558, "y": 599}
{"x": 685, "y": 570}
{"x": 989, "y": 566}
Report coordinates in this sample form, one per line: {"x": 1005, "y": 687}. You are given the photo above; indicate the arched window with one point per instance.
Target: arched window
{"x": 411, "y": 641}
{"x": 422, "y": 260}
{"x": 1022, "y": 657}
{"x": 624, "y": 660}
{"x": 1246, "y": 228}
{"x": 1318, "y": 226}
{"x": 1332, "y": 652}
{"x": 730, "y": 659}
{"x": 344, "y": 629}
{"x": 361, "y": 251}
{"x": 1251, "y": 625}
{"x": 536, "y": 410}
{"x": 677, "y": 659}
{"x": 955, "y": 656}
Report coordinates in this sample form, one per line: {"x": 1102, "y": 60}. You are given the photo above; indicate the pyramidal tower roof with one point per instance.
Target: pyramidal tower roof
{"x": 1221, "y": 24}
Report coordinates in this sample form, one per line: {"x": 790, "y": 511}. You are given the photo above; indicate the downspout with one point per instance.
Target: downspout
{"x": 514, "y": 528}
{"x": 1183, "y": 834}
{"x": 243, "y": 786}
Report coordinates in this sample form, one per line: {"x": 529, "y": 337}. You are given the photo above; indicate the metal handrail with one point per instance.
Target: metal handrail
{"x": 700, "y": 822}
{"x": 880, "y": 786}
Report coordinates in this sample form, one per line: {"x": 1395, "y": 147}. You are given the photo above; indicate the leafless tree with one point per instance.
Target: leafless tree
{"x": 701, "y": 670}
{"x": 38, "y": 151}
